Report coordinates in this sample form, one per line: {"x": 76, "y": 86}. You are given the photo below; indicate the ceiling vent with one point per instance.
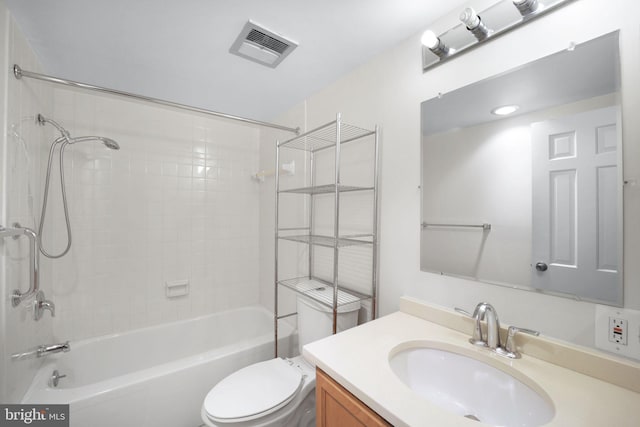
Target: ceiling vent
{"x": 261, "y": 45}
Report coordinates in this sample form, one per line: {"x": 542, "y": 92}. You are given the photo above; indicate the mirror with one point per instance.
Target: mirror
{"x": 532, "y": 199}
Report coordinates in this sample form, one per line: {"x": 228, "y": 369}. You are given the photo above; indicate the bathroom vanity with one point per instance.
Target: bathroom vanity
{"x": 336, "y": 406}
{"x": 567, "y": 385}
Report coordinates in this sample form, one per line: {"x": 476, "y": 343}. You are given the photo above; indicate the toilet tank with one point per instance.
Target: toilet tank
{"x": 315, "y": 320}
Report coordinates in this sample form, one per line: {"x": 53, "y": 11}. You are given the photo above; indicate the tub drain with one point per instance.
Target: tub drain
{"x": 472, "y": 417}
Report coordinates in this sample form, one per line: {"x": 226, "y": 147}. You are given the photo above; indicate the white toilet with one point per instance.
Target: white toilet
{"x": 278, "y": 392}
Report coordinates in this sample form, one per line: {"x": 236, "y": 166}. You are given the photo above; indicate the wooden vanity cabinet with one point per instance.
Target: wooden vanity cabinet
{"x": 337, "y": 407}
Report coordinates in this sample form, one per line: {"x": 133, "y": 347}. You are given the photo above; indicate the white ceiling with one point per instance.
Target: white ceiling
{"x": 178, "y": 50}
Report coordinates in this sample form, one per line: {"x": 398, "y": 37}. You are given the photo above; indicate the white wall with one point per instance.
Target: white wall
{"x": 20, "y": 179}
{"x": 176, "y": 202}
{"x": 389, "y": 90}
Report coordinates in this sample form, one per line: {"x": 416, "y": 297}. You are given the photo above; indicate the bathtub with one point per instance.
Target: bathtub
{"x": 156, "y": 376}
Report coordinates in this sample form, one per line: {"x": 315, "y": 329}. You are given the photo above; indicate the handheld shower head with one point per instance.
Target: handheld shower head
{"x": 108, "y": 142}
{"x": 62, "y": 142}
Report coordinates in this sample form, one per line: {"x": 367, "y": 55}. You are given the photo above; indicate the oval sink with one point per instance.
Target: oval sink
{"x": 471, "y": 388}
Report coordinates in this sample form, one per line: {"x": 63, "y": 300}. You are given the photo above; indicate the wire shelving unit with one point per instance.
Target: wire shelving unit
{"x": 335, "y": 135}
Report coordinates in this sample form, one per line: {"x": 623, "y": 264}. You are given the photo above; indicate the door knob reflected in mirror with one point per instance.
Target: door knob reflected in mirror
{"x": 541, "y": 266}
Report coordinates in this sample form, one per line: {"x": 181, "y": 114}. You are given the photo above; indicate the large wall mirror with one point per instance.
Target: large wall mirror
{"x": 529, "y": 196}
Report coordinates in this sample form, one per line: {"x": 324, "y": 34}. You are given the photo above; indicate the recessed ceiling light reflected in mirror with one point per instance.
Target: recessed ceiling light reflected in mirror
{"x": 505, "y": 110}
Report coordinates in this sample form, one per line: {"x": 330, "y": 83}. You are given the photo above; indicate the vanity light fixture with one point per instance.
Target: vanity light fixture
{"x": 434, "y": 44}
{"x": 505, "y": 110}
{"x": 526, "y": 7}
{"x": 474, "y": 24}
{"x": 472, "y": 31}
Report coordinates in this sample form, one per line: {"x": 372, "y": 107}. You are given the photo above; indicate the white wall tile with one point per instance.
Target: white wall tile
{"x": 148, "y": 214}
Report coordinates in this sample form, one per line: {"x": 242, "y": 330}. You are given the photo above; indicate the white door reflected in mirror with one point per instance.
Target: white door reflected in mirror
{"x": 575, "y": 170}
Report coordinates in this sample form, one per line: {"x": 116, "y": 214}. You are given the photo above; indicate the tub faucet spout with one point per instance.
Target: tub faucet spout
{"x": 45, "y": 350}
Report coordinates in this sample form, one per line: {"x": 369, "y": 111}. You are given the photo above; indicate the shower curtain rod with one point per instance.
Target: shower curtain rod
{"x": 19, "y": 73}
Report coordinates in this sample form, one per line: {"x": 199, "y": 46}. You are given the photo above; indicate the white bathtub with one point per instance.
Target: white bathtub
{"x": 156, "y": 376}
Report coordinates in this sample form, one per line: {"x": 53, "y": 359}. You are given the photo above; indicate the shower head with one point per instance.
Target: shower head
{"x": 108, "y": 142}
{"x": 66, "y": 136}
{"x": 62, "y": 141}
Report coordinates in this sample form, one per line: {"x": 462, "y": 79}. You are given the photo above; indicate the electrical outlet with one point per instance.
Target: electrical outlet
{"x": 618, "y": 331}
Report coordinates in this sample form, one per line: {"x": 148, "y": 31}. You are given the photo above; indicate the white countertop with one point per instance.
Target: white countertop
{"x": 359, "y": 360}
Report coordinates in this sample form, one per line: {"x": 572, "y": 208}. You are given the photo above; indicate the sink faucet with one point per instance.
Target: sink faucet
{"x": 486, "y": 312}
{"x": 493, "y": 325}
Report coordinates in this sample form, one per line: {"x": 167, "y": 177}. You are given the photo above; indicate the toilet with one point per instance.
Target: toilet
{"x": 279, "y": 392}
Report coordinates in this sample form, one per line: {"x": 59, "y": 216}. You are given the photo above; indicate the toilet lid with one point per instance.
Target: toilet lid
{"x": 254, "y": 391}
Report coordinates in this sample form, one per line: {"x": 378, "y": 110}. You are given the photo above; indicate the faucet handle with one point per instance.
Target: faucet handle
{"x": 510, "y": 348}
{"x": 41, "y": 304}
{"x": 462, "y": 311}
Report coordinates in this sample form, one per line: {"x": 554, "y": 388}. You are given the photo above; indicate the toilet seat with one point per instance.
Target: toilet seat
{"x": 253, "y": 392}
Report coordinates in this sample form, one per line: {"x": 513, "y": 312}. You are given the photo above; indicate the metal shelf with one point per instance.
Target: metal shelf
{"x": 331, "y": 135}
{"x": 325, "y": 137}
{"x": 325, "y": 189}
{"x": 321, "y": 291}
{"x": 327, "y": 241}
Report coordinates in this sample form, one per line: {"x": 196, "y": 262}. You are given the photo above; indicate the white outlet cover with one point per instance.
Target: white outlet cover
{"x": 632, "y": 349}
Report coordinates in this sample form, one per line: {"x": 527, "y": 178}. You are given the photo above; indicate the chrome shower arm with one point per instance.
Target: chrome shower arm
{"x": 41, "y": 120}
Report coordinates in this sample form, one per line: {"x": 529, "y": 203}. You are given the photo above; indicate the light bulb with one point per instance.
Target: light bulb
{"x": 430, "y": 40}
{"x": 470, "y": 18}
{"x": 526, "y": 7}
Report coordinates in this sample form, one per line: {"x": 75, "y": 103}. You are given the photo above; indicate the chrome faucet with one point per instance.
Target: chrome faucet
{"x": 510, "y": 349}
{"x": 45, "y": 350}
{"x": 493, "y": 325}
{"x": 486, "y": 312}
{"x": 41, "y": 304}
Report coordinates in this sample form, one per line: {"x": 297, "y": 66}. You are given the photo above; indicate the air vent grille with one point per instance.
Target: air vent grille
{"x": 266, "y": 41}
{"x": 261, "y": 45}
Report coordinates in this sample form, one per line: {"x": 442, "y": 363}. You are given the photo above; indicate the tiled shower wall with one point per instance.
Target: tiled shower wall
{"x": 175, "y": 203}
{"x": 20, "y": 181}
